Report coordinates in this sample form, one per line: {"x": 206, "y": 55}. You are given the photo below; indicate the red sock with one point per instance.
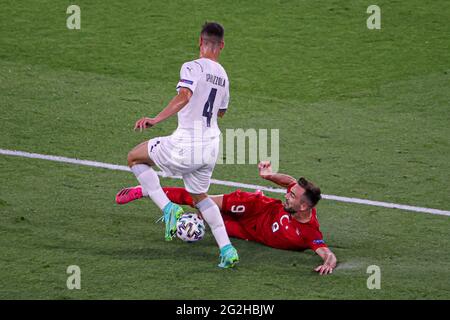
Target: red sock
{"x": 178, "y": 195}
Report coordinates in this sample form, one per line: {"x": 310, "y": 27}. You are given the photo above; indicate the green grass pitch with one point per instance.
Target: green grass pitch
{"x": 363, "y": 113}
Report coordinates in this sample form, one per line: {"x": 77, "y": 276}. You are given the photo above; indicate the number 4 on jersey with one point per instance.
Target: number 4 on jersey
{"x": 209, "y": 105}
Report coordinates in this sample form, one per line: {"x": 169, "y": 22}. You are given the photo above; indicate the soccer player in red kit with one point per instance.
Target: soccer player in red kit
{"x": 252, "y": 216}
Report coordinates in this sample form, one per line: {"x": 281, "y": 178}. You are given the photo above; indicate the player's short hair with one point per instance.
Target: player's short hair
{"x": 212, "y": 32}
{"x": 312, "y": 193}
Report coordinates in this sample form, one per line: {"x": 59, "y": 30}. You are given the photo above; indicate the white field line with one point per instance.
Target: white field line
{"x": 222, "y": 182}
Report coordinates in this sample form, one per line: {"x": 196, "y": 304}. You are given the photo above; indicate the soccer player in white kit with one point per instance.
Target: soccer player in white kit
{"x": 192, "y": 150}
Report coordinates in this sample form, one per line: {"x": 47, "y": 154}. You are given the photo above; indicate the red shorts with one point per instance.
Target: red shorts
{"x": 241, "y": 210}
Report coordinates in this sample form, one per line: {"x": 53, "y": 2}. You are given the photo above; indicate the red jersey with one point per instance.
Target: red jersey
{"x": 255, "y": 217}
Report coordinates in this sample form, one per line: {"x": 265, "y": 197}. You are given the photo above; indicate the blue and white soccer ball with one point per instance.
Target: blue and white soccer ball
{"x": 190, "y": 227}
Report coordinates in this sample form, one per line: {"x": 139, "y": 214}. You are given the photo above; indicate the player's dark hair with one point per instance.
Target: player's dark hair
{"x": 312, "y": 193}
{"x": 212, "y": 31}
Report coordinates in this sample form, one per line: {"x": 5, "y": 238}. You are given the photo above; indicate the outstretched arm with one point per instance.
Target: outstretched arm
{"x": 174, "y": 106}
{"x": 329, "y": 261}
{"x": 265, "y": 172}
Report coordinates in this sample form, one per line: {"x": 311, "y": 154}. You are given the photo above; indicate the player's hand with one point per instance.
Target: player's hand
{"x": 324, "y": 269}
{"x": 144, "y": 123}
{"x": 265, "y": 169}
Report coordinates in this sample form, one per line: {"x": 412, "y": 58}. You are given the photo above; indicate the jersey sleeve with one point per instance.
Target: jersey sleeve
{"x": 225, "y": 100}
{"x": 315, "y": 241}
{"x": 189, "y": 76}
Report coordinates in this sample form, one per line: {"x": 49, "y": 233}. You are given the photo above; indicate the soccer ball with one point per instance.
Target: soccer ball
{"x": 190, "y": 227}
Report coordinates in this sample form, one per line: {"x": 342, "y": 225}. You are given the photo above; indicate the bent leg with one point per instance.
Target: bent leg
{"x": 140, "y": 163}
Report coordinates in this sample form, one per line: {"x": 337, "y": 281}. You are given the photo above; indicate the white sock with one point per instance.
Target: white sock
{"x": 211, "y": 213}
{"x": 149, "y": 181}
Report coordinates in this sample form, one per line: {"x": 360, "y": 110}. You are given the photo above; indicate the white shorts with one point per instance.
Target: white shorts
{"x": 193, "y": 161}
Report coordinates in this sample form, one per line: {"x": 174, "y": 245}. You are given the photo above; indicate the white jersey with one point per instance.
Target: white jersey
{"x": 209, "y": 84}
